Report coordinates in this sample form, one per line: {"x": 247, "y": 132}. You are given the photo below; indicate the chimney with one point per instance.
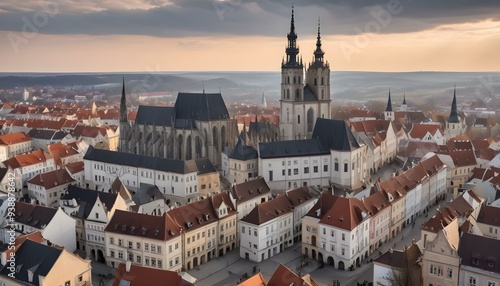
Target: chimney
{"x": 127, "y": 266}
{"x": 390, "y": 250}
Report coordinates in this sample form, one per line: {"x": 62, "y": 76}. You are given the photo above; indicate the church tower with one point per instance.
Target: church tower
{"x": 389, "y": 113}
{"x": 404, "y": 106}
{"x": 454, "y": 126}
{"x": 292, "y": 88}
{"x": 124, "y": 125}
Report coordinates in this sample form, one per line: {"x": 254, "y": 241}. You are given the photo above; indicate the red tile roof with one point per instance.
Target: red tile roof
{"x": 345, "y": 213}
{"x": 489, "y": 215}
{"x": 52, "y": 179}
{"x": 285, "y": 277}
{"x": 14, "y": 138}
{"x": 194, "y": 215}
{"x": 420, "y": 130}
{"x": 139, "y": 275}
{"x": 143, "y": 225}
{"x": 75, "y": 167}
{"x": 269, "y": 210}
{"x": 35, "y": 157}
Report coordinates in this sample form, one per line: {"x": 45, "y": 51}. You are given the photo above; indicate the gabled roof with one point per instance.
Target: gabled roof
{"x": 243, "y": 152}
{"x": 35, "y": 216}
{"x": 86, "y": 198}
{"x": 143, "y": 225}
{"x": 14, "y": 138}
{"x": 139, "y": 275}
{"x": 194, "y": 215}
{"x": 375, "y": 203}
{"x": 463, "y": 158}
{"x": 400, "y": 258}
{"x": 250, "y": 189}
{"x": 420, "y": 130}
{"x": 223, "y": 197}
{"x": 200, "y": 106}
{"x": 256, "y": 280}
{"x": 309, "y": 94}
{"x": 335, "y": 134}
{"x": 285, "y": 277}
{"x": 489, "y": 215}
{"x": 477, "y": 252}
{"x": 299, "y": 196}
{"x": 140, "y": 161}
{"x": 269, "y": 210}
{"x": 34, "y": 257}
{"x": 75, "y": 167}
{"x": 345, "y": 213}
{"x": 158, "y": 115}
{"x": 35, "y": 157}
{"x": 52, "y": 179}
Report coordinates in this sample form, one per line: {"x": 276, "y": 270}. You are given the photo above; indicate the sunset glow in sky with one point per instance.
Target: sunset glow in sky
{"x": 241, "y": 35}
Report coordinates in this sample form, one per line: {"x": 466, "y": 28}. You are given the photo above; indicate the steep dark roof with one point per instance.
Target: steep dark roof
{"x": 35, "y": 257}
{"x": 250, "y": 189}
{"x": 34, "y": 215}
{"x": 204, "y": 166}
{"x": 46, "y": 134}
{"x": 194, "y": 215}
{"x": 309, "y": 93}
{"x": 269, "y": 210}
{"x": 134, "y": 160}
{"x": 243, "y": 152}
{"x": 86, "y": 199}
{"x": 477, "y": 252}
{"x": 453, "y": 113}
{"x": 200, "y": 106}
{"x": 334, "y": 134}
{"x": 389, "y": 103}
{"x": 292, "y": 148}
{"x": 159, "y": 115}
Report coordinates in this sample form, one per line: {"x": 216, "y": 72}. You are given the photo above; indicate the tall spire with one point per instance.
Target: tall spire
{"x": 318, "y": 53}
{"x": 454, "y": 113}
{"x": 404, "y": 98}
{"x": 389, "y": 103}
{"x": 292, "y": 50}
{"x": 123, "y": 104}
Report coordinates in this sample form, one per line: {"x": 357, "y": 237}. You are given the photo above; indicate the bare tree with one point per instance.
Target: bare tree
{"x": 408, "y": 275}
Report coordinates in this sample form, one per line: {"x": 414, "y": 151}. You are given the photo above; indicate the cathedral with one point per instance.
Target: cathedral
{"x": 303, "y": 100}
{"x": 197, "y": 126}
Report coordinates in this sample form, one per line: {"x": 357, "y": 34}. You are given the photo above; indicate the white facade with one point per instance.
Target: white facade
{"x": 260, "y": 242}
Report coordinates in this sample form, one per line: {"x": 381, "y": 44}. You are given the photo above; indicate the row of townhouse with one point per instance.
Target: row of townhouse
{"x": 380, "y": 138}
{"x": 180, "y": 181}
{"x": 332, "y": 156}
{"x": 92, "y": 211}
{"x": 31, "y": 164}
{"x": 181, "y": 239}
{"x": 342, "y": 231}
{"x": 272, "y": 226}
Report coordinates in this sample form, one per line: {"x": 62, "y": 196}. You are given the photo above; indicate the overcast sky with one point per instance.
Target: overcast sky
{"x": 180, "y": 35}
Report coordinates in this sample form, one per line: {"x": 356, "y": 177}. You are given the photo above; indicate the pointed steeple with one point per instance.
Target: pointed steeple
{"x": 318, "y": 53}
{"x": 404, "y": 98}
{"x": 454, "y": 113}
{"x": 292, "y": 50}
{"x": 123, "y": 105}
{"x": 389, "y": 103}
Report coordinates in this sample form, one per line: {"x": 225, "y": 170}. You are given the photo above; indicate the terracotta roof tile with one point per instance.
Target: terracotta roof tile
{"x": 139, "y": 275}
{"x": 194, "y": 215}
{"x": 269, "y": 210}
{"x": 52, "y": 179}
{"x": 489, "y": 215}
{"x": 420, "y": 130}
{"x": 32, "y": 158}
{"x": 14, "y": 138}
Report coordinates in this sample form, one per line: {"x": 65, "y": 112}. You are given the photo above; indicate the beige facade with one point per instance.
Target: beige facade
{"x": 241, "y": 171}
{"x": 69, "y": 267}
{"x": 440, "y": 262}
{"x": 208, "y": 183}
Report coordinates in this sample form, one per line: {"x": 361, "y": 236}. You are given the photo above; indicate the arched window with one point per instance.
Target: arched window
{"x": 288, "y": 94}
{"x": 294, "y": 80}
{"x": 315, "y": 81}
{"x": 322, "y": 94}
{"x": 310, "y": 120}
{"x": 322, "y": 81}
{"x": 299, "y": 79}
{"x": 298, "y": 119}
{"x": 287, "y": 115}
{"x": 287, "y": 79}
{"x": 297, "y": 94}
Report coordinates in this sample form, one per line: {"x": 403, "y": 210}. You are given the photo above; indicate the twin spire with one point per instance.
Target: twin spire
{"x": 292, "y": 49}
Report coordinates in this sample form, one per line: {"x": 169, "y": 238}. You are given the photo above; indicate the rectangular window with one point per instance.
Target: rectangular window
{"x": 472, "y": 281}
{"x": 343, "y": 237}
{"x": 450, "y": 273}
{"x": 283, "y": 172}
{"x": 336, "y": 166}
{"x": 346, "y": 168}
{"x": 315, "y": 169}
{"x": 325, "y": 168}
{"x": 295, "y": 171}
{"x": 306, "y": 170}
{"x": 270, "y": 176}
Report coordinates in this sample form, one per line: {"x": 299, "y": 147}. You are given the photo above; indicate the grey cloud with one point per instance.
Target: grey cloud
{"x": 181, "y": 18}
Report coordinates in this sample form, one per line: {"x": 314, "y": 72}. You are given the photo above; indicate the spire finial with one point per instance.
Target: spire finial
{"x": 203, "y": 84}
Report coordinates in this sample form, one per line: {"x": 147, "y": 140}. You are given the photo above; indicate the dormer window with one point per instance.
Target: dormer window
{"x": 124, "y": 227}
{"x": 475, "y": 261}
{"x": 189, "y": 224}
{"x": 157, "y": 232}
{"x": 144, "y": 231}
